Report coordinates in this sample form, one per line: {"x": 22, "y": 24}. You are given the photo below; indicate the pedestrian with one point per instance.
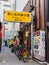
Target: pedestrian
{"x": 0, "y": 36}
{"x": 15, "y": 44}
{"x": 17, "y": 41}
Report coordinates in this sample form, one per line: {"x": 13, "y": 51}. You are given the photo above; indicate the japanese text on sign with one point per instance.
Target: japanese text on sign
{"x": 18, "y": 16}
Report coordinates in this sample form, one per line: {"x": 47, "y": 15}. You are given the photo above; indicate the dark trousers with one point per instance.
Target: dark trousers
{"x": 0, "y": 44}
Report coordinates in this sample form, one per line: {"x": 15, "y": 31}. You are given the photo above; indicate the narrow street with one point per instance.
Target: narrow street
{"x": 11, "y": 59}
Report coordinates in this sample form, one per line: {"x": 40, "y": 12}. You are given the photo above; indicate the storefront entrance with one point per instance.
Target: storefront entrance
{"x": 47, "y": 43}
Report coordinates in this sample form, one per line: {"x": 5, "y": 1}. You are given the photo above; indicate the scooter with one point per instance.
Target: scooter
{"x": 16, "y": 50}
{"x": 20, "y": 54}
{"x": 25, "y": 55}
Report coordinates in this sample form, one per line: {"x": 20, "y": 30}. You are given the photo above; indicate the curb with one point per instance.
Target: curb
{"x": 41, "y": 63}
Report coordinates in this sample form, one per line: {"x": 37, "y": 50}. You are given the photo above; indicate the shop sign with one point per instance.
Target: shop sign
{"x": 13, "y": 16}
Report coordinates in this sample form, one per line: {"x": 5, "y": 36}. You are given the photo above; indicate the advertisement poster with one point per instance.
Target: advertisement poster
{"x": 39, "y": 46}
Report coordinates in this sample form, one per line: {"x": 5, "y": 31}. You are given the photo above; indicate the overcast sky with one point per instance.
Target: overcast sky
{"x": 20, "y": 4}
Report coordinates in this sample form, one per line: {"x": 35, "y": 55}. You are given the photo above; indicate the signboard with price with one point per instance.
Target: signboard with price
{"x": 18, "y": 16}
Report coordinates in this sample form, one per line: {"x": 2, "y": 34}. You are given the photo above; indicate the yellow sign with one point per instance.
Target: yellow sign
{"x": 18, "y": 16}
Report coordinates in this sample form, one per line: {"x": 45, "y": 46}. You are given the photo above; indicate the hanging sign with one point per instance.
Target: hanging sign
{"x": 13, "y": 16}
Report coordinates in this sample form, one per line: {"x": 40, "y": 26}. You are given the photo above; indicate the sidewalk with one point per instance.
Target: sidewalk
{"x": 11, "y": 59}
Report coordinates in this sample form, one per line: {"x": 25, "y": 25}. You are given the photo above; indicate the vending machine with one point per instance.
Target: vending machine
{"x": 39, "y": 45}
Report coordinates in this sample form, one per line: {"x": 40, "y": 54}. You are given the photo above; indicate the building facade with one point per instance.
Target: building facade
{"x": 26, "y": 29}
{"x": 41, "y": 21}
{"x": 47, "y": 28}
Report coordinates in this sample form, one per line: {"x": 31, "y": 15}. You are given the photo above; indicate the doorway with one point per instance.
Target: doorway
{"x": 47, "y": 44}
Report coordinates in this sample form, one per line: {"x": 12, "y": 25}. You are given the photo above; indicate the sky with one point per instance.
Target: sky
{"x": 20, "y": 4}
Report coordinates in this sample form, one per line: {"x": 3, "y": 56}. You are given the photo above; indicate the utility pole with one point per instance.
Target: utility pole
{"x": 32, "y": 35}
{"x": 32, "y": 31}
{"x": 14, "y": 9}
